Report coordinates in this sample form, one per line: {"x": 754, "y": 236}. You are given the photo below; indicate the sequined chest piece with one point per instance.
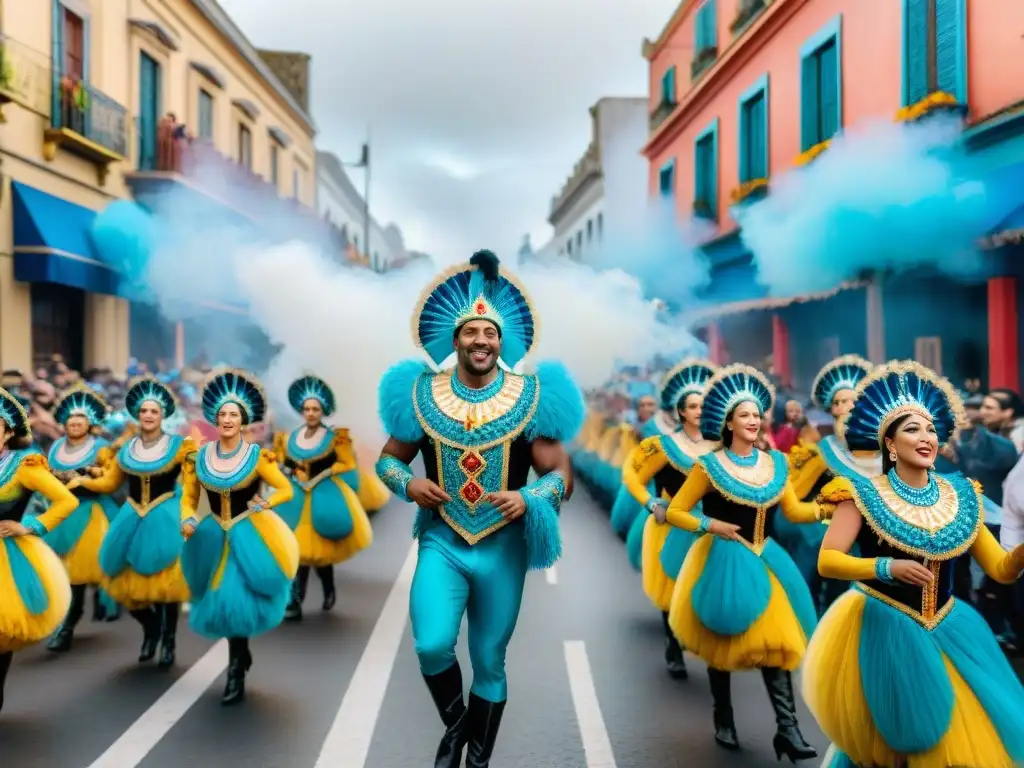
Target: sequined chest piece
{"x": 471, "y": 436}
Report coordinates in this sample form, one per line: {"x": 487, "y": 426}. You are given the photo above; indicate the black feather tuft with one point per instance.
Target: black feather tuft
{"x": 487, "y": 263}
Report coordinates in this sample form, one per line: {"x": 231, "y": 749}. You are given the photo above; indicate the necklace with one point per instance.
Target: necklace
{"x": 686, "y": 434}
{"x": 919, "y": 497}
{"x": 742, "y": 461}
{"x": 234, "y": 451}
{"x": 151, "y": 443}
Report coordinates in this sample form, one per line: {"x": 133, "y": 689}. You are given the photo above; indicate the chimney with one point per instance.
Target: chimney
{"x": 292, "y": 69}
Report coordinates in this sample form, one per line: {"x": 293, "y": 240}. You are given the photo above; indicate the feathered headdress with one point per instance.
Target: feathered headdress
{"x": 729, "y": 387}
{"x": 311, "y": 388}
{"x": 897, "y": 389}
{"x": 844, "y": 372}
{"x": 149, "y": 388}
{"x": 479, "y": 290}
{"x": 13, "y": 413}
{"x": 80, "y": 400}
{"x": 687, "y": 378}
{"x": 233, "y": 386}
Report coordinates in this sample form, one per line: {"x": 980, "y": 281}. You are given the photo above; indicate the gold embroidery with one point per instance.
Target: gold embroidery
{"x": 926, "y": 621}
{"x": 473, "y": 415}
{"x": 473, "y": 538}
{"x": 143, "y": 509}
{"x": 757, "y": 476}
{"x": 931, "y": 518}
{"x": 472, "y": 492}
{"x": 930, "y": 594}
{"x": 688, "y": 447}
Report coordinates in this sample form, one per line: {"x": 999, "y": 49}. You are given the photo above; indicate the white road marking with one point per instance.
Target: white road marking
{"x": 596, "y": 745}
{"x": 348, "y": 742}
{"x": 146, "y": 732}
{"x": 551, "y": 574}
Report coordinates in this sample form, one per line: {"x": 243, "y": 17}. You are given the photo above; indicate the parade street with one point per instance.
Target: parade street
{"x": 587, "y": 687}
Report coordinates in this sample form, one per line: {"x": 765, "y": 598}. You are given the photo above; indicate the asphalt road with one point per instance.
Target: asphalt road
{"x": 342, "y": 689}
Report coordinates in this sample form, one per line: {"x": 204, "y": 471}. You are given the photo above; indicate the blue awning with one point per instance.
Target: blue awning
{"x": 51, "y": 243}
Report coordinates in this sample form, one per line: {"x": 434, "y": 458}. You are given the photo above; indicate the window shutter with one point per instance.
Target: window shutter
{"x": 947, "y": 28}
{"x": 701, "y": 177}
{"x": 809, "y": 102}
{"x": 711, "y": 23}
{"x": 828, "y": 95}
{"x": 712, "y": 173}
{"x": 758, "y": 142}
{"x": 745, "y": 134}
{"x": 915, "y": 45}
{"x": 668, "y": 85}
{"x": 698, "y": 31}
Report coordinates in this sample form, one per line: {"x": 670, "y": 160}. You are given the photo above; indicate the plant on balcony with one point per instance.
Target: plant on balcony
{"x": 6, "y": 70}
{"x": 748, "y": 11}
{"x": 749, "y": 191}
{"x": 703, "y": 59}
{"x": 661, "y": 112}
{"x": 939, "y": 101}
{"x": 808, "y": 156}
{"x": 702, "y": 209}
{"x": 74, "y": 93}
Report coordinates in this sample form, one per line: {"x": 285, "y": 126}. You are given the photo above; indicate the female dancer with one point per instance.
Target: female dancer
{"x": 34, "y": 585}
{"x": 666, "y": 459}
{"x": 329, "y": 522}
{"x": 900, "y": 674}
{"x": 239, "y": 558}
{"x": 740, "y": 601}
{"x": 141, "y": 554}
{"x": 812, "y": 466}
{"x": 77, "y": 455}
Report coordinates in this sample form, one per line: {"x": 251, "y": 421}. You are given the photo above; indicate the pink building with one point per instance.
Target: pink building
{"x": 742, "y": 90}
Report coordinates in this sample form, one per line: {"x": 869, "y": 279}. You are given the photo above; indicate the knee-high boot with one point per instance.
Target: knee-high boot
{"x": 721, "y": 696}
{"x": 168, "y": 633}
{"x": 326, "y": 574}
{"x": 446, "y": 691}
{"x": 239, "y": 662}
{"x": 484, "y": 718}
{"x": 788, "y": 739}
{"x": 673, "y": 652}
{"x": 65, "y": 634}
{"x": 294, "y": 610}
{"x": 5, "y": 666}
{"x": 150, "y": 621}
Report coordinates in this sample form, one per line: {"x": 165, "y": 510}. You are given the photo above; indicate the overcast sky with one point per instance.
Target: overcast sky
{"x": 477, "y": 110}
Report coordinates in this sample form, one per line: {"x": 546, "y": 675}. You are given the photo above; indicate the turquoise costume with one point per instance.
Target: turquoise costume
{"x": 329, "y": 522}
{"x": 141, "y": 554}
{"x": 899, "y": 674}
{"x": 625, "y": 510}
{"x": 240, "y": 557}
{"x": 472, "y": 561}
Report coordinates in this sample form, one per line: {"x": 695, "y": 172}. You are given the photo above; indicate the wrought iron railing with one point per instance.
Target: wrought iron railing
{"x": 661, "y": 112}
{"x": 86, "y": 110}
{"x": 24, "y": 76}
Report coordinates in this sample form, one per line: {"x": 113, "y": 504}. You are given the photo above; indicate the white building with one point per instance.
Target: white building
{"x": 608, "y": 186}
{"x": 341, "y": 204}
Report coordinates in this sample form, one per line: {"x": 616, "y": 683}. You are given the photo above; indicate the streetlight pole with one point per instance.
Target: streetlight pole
{"x": 364, "y": 163}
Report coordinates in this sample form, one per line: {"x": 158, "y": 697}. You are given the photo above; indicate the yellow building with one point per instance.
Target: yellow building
{"x": 110, "y": 99}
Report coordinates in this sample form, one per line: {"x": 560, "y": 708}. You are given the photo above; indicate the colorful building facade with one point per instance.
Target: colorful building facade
{"x": 742, "y": 91}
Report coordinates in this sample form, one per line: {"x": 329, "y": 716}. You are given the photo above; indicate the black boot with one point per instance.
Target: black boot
{"x": 673, "y": 653}
{"x": 65, "y": 634}
{"x": 5, "y": 665}
{"x": 168, "y": 633}
{"x": 326, "y": 575}
{"x": 99, "y": 610}
{"x": 483, "y": 718}
{"x": 788, "y": 739}
{"x": 294, "y": 610}
{"x": 150, "y": 621}
{"x": 239, "y": 662}
{"x": 446, "y": 691}
{"x": 721, "y": 695}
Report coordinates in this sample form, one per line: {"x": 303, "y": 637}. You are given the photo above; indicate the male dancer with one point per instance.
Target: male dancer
{"x": 481, "y": 524}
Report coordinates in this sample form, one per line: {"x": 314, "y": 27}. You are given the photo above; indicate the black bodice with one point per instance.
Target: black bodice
{"x": 314, "y": 467}
{"x": 754, "y": 525}
{"x": 227, "y": 505}
{"x": 15, "y": 508}
{"x": 146, "y": 489}
{"x": 668, "y": 480}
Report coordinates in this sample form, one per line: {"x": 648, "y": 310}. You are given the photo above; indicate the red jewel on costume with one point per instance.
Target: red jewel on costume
{"x": 480, "y": 308}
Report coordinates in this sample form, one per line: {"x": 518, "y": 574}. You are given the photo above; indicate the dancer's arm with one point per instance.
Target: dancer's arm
{"x": 34, "y": 475}
{"x": 271, "y": 474}
{"x": 643, "y": 463}
{"x": 797, "y": 511}
{"x": 344, "y": 453}
{"x": 680, "y": 511}
{"x": 108, "y": 482}
{"x": 1000, "y": 565}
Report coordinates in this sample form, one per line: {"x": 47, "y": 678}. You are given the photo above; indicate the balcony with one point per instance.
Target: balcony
{"x": 176, "y": 169}
{"x": 86, "y": 122}
{"x": 702, "y": 61}
{"x": 747, "y": 12}
{"x": 24, "y": 78}
{"x": 661, "y": 112}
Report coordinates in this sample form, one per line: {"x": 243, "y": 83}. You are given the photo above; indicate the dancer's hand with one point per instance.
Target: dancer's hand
{"x": 911, "y": 572}
{"x": 660, "y": 512}
{"x": 11, "y": 528}
{"x": 187, "y": 529}
{"x": 301, "y": 476}
{"x": 426, "y": 493}
{"x": 74, "y": 482}
{"x": 511, "y": 504}
{"x": 257, "y": 503}
{"x": 95, "y": 471}
{"x": 727, "y": 531}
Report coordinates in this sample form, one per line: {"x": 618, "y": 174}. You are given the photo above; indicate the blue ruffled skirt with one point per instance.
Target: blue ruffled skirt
{"x": 329, "y": 522}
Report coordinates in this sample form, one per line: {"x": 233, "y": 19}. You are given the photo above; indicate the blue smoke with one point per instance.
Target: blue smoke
{"x": 889, "y": 196}
{"x": 126, "y": 235}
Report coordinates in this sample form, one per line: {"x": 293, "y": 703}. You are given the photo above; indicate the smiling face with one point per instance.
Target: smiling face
{"x": 477, "y": 346}
{"x": 76, "y": 427}
{"x": 745, "y": 422}
{"x": 229, "y": 421}
{"x": 151, "y": 415}
{"x": 689, "y": 411}
{"x": 915, "y": 443}
{"x": 312, "y": 413}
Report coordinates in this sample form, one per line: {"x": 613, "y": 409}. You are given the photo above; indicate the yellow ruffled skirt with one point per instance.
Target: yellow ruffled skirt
{"x": 82, "y": 561}
{"x": 316, "y": 550}
{"x": 739, "y": 610}
{"x": 373, "y": 494}
{"x": 658, "y": 586}
{"x": 35, "y": 593}
{"x": 889, "y": 692}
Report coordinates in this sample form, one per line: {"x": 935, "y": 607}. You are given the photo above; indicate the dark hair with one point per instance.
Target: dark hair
{"x": 19, "y": 442}
{"x": 241, "y": 410}
{"x": 1007, "y": 398}
{"x": 890, "y": 433}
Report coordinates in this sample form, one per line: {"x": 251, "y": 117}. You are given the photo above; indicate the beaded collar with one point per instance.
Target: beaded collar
{"x": 760, "y": 485}
{"x": 313, "y": 452}
{"x": 86, "y": 458}
{"x": 226, "y": 480}
{"x": 133, "y": 465}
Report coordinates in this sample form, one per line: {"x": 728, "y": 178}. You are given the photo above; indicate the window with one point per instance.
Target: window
{"x": 668, "y": 86}
{"x": 934, "y": 49}
{"x": 590, "y": 230}
{"x": 244, "y": 146}
{"x": 705, "y": 28}
{"x": 58, "y": 315}
{"x": 667, "y": 179}
{"x": 705, "y": 167}
{"x": 274, "y": 161}
{"x": 150, "y": 107}
{"x": 754, "y": 132}
{"x": 600, "y": 226}
{"x": 568, "y": 245}
{"x": 821, "y": 87}
{"x": 579, "y": 242}
{"x": 205, "y": 115}
{"x": 928, "y": 352}
{"x": 297, "y": 183}
{"x": 73, "y": 41}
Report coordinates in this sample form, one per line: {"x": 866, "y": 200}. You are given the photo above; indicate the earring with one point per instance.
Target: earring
{"x": 892, "y": 456}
